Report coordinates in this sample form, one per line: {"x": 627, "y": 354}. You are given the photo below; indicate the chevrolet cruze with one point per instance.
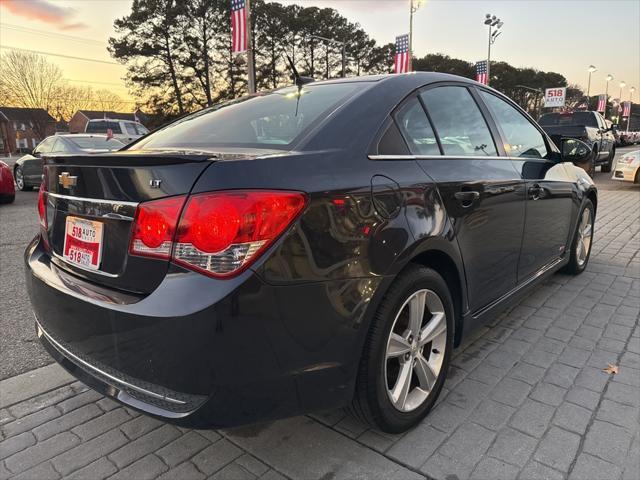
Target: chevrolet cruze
{"x": 313, "y": 247}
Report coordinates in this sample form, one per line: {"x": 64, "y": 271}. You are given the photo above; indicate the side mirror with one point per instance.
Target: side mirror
{"x": 575, "y": 151}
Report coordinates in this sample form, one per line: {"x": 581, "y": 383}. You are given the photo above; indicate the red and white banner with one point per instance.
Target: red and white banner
{"x": 402, "y": 60}
{"x": 238, "y": 26}
{"x": 602, "y": 103}
{"x": 626, "y": 109}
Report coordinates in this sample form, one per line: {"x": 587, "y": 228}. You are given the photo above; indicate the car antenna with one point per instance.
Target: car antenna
{"x": 297, "y": 78}
{"x": 299, "y": 81}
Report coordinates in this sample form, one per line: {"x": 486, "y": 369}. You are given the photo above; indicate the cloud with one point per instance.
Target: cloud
{"x": 44, "y": 11}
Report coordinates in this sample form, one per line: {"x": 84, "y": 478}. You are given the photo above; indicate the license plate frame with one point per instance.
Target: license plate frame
{"x": 83, "y": 242}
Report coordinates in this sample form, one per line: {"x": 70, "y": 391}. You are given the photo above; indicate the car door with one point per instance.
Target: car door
{"x": 550, "y": 188}
{"x": 482, "y": 192}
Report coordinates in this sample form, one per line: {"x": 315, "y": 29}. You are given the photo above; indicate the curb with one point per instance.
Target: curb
{"x": 30, "y": 384}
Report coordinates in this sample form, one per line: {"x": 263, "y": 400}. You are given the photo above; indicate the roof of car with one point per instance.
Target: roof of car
{"x": 417, "y": 77}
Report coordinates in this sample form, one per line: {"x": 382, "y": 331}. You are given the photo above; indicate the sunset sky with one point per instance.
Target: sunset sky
{"x": 557, "y": 35}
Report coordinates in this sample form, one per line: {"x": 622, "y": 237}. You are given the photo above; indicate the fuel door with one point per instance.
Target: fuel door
{"x": 385, "y": 196}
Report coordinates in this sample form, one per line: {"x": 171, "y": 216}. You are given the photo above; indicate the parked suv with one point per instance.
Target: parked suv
{"x": 124, "y": 130}
{"x": 304, "y": 249}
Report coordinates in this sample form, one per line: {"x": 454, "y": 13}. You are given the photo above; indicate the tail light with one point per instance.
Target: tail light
{"x": 42, "y": 207}
{"x": 220, "y": 233}
{"x": 155, "y": 226}
{"x": 42, "y": 212}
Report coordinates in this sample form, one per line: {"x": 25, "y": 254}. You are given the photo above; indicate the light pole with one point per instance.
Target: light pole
{"x": 344, "y": 53}
{"x": 492, "y": 21}
{"x": 414, "y": 5}
{"x": 591, "y": 69}
{"x": 622, "y": 85}
{"x": 631, "y": 90}
{"x": 606, "y": 94}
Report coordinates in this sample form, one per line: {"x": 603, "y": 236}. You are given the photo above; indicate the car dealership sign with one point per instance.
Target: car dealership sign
{"x": 554, "y": 97}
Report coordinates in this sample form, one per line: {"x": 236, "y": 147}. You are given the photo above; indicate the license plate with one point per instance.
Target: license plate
{"x": 83, "y": 242}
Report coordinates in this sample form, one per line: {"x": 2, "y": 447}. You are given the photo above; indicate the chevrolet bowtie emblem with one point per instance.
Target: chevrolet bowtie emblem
{"x": 67, "y": 180}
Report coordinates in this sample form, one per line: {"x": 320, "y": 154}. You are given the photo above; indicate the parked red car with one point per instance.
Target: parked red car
{"x": 7, "y": 187}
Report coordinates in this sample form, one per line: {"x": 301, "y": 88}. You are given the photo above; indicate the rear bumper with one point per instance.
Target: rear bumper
{"x": 203, "y": 352}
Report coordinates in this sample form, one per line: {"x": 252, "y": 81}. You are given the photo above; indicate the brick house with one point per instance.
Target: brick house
{"x": 24, "y": 128}
{"x": 79, "y": 120}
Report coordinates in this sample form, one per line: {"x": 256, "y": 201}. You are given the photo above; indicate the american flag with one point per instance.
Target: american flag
{"x": 402, "y": 61}
{"x": 481, "y": 72}
{"x": 602, "y": 103}
{"x": 626, "y": 109}
{"x": 238, "y": 26}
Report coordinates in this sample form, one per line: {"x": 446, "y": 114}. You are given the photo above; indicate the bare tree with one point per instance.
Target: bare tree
{"x": 28, "y": 80}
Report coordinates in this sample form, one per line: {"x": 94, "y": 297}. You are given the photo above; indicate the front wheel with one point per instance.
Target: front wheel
{"x": 582, "y": 240}
{"x": 407, "y": 352}
{"x": 606, "y": 168}
{"x": 20, "y": 182}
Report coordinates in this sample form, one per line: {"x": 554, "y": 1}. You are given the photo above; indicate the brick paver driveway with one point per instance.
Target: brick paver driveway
{"x": 526, "y": 399}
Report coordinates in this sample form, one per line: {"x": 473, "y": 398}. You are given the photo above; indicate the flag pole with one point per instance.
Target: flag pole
{"x": 250, "y": 58}
{"x": 411, "y": 12}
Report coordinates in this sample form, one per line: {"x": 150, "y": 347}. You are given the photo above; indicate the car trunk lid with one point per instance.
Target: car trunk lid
{"x": 101, "y": 193}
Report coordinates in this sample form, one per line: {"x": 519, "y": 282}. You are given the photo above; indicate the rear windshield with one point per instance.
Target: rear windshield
{"x": 273, "y": 119}
{"x": 102, "y": 126}
{"x": 97, "y": 143}
{"x": 587, "y": 119}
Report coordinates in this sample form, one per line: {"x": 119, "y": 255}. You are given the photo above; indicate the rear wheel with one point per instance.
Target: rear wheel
{"x": 7, "y": 198}
{"x": 606, "y": 168}
{"x": 582, "y": 240}
{"x": 19, "y": 177}
{"x": 407, "y": 352}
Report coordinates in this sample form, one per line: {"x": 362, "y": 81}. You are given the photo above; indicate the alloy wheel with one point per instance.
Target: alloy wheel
{"x": 415, "y": 350}
{"x": 583, "y": 245}
{"x": 19, "y": 178}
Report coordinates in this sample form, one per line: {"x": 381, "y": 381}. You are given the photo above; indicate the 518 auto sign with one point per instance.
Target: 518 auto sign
{"x": 554, "y": 97}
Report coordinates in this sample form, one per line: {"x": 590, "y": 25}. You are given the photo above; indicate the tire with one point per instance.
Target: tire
{"x": 578, "y": 261}
{"x": 606, "y": 168}
{"x": 591, "y": 165}
{"x": 20, "y": 181}
{"x": 7, "y": 198}
{"x": 383, "y": 362}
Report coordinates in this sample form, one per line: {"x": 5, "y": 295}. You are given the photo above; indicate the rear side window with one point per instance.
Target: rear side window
{"x": 524, "y": 140}
{"x": 457, "y": 119}
{"x": 275, "y": 119}
{"x": 131, "y": 128}
{"x": 416, "y": 128}
{"x": 392, "y": 143}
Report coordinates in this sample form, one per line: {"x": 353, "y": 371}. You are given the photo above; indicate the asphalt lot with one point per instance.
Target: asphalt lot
{"x": 19, "y": 349}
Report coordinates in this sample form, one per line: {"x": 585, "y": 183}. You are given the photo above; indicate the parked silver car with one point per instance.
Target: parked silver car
{"x": 628, "y": 167}
{"x": 28, "y": 169}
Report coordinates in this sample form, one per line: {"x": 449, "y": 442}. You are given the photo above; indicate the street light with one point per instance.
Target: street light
{"x": 414, "y": 6}
{"x": 342, "y": 46}
{"x": 606, "y": 94}
{"x": 591, "y": 69}
{"x": 492, "y": 22}
{"x": 631, "y": 90}
{"x": 622, "y": 85}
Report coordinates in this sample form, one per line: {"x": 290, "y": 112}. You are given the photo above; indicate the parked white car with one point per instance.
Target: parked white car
{"x": 628, "y": 167}
{"x": 124, "y": 130}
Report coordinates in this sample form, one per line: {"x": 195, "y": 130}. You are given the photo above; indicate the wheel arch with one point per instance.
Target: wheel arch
{"x": 445, "y": 265}
{"x": 593, "y": 196}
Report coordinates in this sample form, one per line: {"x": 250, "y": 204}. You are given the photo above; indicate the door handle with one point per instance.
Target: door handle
{"x": 467, "y": 197}
{"x": 536, "y": 191}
